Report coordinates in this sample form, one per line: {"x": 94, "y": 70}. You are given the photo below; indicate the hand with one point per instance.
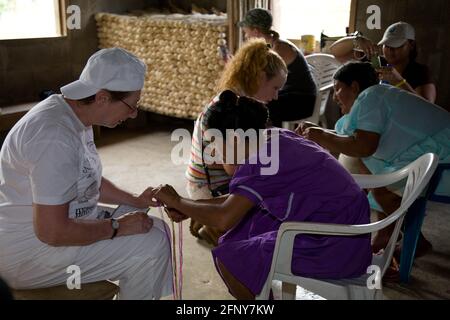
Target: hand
{"x": 166, "y": 195}
{"x": 302, "y": 126}
{"x": 134, "y": 223}
{"x": 389, "y": 74}
{"x": 146, "y": 199}
{"x": 367, "y": 46}
{"x": 315, "y": 134}
{"x": 175, "y": 215}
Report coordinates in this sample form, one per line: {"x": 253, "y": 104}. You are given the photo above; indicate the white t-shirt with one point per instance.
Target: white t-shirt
{"x": 48, "y": 158}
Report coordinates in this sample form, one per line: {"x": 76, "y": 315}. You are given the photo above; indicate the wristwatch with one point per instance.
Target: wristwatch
{"x": 115, "y": 226}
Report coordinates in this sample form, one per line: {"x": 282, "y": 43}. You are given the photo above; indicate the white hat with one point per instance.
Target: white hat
{"x": 112, "y": 69}
{"x": 397, "y": 34}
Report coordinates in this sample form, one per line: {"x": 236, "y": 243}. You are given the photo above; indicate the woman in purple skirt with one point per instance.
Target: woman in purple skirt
{"x": 277, "y": 177}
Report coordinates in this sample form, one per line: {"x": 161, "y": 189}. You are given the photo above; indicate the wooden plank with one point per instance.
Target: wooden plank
{"x": 233, "y": 30}
{"x": 60, "y": 7}
{"x": 10, "y": 115}
{"x": 353, "y": 14}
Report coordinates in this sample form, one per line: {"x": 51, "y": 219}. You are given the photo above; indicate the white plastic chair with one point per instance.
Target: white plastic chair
{"x": 322, "y": 66}
{"x": 418, "y": 175}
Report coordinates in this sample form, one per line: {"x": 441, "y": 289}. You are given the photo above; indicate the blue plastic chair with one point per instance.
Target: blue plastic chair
{"x": 414, "y": 220}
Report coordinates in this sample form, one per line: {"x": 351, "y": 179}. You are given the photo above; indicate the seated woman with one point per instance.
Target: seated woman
{"x": 52, "y": 185}
{"x": 400, "y": 51}
{"x": 255, "y": 71}
{"x": 309, "y": 185}
{"x": 297, "y": 97}
{"x": 386, "y": 127}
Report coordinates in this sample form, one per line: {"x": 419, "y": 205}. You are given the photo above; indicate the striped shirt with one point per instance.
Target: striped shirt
{"x": 195, "y": 172}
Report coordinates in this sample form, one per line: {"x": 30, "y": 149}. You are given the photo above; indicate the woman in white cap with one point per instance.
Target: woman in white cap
{"x": 296, "y": 99}
{"x": 399, "y": 48}
{"x": 51, "y": 183}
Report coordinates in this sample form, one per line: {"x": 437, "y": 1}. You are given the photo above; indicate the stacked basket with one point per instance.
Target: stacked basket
{"x": 181, "y": 51}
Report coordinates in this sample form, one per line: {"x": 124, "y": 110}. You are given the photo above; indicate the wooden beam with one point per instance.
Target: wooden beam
{"x": 11, "y": 114}
{"x": 60, "y": 14}
{"x": 353, "y": 12}
{"x": 233, "y": 30}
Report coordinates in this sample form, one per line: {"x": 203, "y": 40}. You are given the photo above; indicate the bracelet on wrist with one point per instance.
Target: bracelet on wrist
{"x": 401, "y": 83}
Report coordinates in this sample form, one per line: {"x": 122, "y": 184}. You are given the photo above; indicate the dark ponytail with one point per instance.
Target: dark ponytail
{"x": 275, "y": 35}
{"x": 228, "y": 99}
{"x": 233, "y": 112}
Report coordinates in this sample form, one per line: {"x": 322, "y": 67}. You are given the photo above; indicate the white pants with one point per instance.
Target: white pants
{"x": 141, "y": 263}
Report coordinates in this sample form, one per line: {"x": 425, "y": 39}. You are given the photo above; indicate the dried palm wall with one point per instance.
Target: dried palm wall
{"x": 181, "y": 52}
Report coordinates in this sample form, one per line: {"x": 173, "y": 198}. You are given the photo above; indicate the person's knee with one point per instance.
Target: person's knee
{"x": 381, "y": 195}
{"x": 155, "y": 243}
{"x": 160, "y": 239}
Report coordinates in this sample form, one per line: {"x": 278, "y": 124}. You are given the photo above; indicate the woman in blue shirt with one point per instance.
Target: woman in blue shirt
{"x": 387, "y": 128}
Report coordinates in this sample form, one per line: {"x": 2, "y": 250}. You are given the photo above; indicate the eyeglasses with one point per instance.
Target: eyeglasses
{"x": 136, "y": 108}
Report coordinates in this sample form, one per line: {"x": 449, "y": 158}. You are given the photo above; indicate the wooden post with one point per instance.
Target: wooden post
{"x": 353, "y": 11}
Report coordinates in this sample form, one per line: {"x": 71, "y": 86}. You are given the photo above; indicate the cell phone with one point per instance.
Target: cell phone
{"x": 383, "y": 62}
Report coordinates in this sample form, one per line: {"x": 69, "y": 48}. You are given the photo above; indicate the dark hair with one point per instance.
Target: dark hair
{"x": 275, "y": 35}
{"x": 258, "y": 18}
{"x": 269, "y": 32}
{"x": 361, "y": 72}
{"x": 115, "y": 95}
{"x": 233, "y": 112}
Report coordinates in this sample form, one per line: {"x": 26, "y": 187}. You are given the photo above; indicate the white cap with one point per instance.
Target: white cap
{"x": 112, "y": 69}
{"x": 397, "y": 34}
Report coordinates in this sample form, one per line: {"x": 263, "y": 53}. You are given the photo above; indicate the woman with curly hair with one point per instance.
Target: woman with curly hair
{"x": 255, "y": 71}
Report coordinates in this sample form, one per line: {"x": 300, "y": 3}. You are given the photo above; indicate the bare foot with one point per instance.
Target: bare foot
{"x": 381, "y": 240}
{"x": 210, "y": 235}
{"x": 392, "y": 273}
{"x": 194, "y": 228}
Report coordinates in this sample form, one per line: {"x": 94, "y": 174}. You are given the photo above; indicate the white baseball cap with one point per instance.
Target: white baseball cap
{"x": 112, "y": 69}
{"x": 397, "y": 34}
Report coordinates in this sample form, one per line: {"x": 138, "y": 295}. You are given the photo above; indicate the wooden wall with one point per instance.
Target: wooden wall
{"x": 207, "y": 4}
{"x": 431, "y": 19}
{"x": 28, "y": 66}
